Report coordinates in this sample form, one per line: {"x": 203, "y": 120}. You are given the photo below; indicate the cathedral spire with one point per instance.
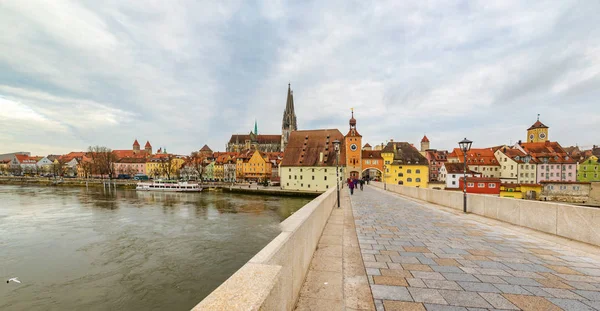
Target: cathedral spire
{"x": 288, "y": 124}
{"x": 255, "y": 127}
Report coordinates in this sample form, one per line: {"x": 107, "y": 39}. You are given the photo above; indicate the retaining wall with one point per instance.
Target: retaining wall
{"x": 579, "y": 223}
{"x": 272, "y": 279}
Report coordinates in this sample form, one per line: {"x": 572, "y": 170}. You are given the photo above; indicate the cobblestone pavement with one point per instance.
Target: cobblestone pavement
{"x": 422, "y": 258}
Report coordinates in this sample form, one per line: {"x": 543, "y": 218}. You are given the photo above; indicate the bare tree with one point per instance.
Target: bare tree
{"x": 196, "y": 161}
{"x": 103, "y": 161}
{"x": 167, "y": 165}
{"x": 58, "y": 168}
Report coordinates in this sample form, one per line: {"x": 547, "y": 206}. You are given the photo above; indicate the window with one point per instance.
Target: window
{"x": 418, "y": 180}
{"x": 454, "y": 182}
{"x": 400, "y": 175}
{"x": 301, "y": 185}
{"x": 504, "y": 159}
{"x": 480, "y": 185}
{"x": 409, "y": 179}
{"x": 551, "y": 174}
{"x": 491, "y": 185}
{"x": 470, "y": 185}
{"x": 326, "y": 170}
{"x": 409, "y": 171}
{"x": 453, "y": 176}
{"x": 300, "y": 170}
{"x": 300, "y": 177}
{"x": 313, "y": 170}
{"x": 418, "y": 171}
{"x": 326, "y": 186}
{"x": 325, "y": 178}
{"x": 290, "y": 177}
{"x": 308, "y": 185}
{"x": 290, "y": 170}
{"x": 294, "y": 176}
{"x": 313, "y": 178}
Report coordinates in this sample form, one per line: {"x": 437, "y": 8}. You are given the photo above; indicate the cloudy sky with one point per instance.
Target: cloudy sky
{"x": 184, "y": 74}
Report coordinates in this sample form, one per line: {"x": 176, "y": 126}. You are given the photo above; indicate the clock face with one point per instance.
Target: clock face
{"x": 542, "y": 135}
{"x": 353, "y": 147}
{"x": 531, "y": 136}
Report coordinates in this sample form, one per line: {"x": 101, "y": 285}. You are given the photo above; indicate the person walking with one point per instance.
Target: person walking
{"x": 362, "y": 182}
{"x": 351, "y": 185}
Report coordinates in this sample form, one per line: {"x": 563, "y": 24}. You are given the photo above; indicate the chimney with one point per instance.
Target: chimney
{"x": 520, "y": 142}
{"x": 321, "y": 157}
{"x": 391, "y": 140}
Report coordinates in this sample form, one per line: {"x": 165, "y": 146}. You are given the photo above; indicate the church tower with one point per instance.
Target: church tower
{"x": 289, "y": 119}
{"x": 352, "y": 143}
{"x": 538, "y": 132}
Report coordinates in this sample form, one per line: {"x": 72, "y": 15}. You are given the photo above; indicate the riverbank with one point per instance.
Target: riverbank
{"x": 68, "y": 182}
{"x": 131, "y": 184}
{"x": 269, "y": 191}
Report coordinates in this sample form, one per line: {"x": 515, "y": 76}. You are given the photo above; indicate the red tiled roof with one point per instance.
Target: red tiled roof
{"x": 458, "y": 168}
{"x": 536, "y": 125}
{"x": 405, "y": 153}
{"x": 135, "y": 143}
{"x": 425, "y": 139}
{"x": 369, "y": 154}
{"x": 148, "y": 144}
{"x": 205, "y": 148}
{"x": 366, "y": 145}
{"x": 552, "y": 150}
{"x": 476, "y": 156}
{"x": 129, "y": 154}
{"x": 305, "y": 147}
{"x": 132, "y": 160}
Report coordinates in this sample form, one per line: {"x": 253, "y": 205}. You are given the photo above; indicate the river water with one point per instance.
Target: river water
{"x": 87, "y": 249}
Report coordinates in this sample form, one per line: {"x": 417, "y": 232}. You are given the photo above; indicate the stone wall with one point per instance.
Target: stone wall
{"x": 272, "y": 279}
{"x": 579, "y": 223}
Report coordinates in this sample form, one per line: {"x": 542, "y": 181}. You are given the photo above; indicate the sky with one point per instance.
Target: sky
{"x": 182, "y": 74}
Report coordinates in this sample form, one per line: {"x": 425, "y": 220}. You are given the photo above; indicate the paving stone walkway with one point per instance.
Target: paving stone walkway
{"x": 419, "y": 257}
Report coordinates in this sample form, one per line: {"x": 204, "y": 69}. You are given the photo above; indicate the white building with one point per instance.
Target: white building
{"x": 516, "y": 167}
{"x": 309, "y": 162}
{"x": 450, "y": 173}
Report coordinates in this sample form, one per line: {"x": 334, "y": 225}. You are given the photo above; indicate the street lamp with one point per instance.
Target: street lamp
{"x": 465, "y": 146}
{"x": 383, "y": 176}
{"x": 336, "y": 147}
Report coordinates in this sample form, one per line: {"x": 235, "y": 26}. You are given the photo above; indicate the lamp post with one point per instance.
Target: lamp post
{"x": 383, "y": 177}
{"x": 336, "y": 146}
{"x": 465, "y": 146}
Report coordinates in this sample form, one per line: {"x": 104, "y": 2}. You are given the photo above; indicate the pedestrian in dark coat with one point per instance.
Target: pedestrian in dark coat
{"x": 351, "y": 186}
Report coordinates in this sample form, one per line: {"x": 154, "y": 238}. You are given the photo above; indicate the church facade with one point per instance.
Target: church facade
{"x": 267, "y": 143}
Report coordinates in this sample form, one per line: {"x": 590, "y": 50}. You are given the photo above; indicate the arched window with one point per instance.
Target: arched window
{"x": 409, "y": 171}
{"x": 418, "y": 180}
{"x": 409, "y": 179}
{"x": 418, "y": 171}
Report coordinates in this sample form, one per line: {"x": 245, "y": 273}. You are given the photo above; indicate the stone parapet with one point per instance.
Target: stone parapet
{"x": 272, "y": 279}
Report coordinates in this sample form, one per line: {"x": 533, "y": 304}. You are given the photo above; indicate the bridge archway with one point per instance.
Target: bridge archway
{"x": 373, "y": 173}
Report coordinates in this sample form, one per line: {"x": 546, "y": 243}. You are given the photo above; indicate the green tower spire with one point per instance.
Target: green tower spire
{"x": 255, "y": 128}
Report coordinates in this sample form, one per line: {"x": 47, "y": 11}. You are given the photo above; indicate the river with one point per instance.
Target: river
{"x": 87, "y": 249}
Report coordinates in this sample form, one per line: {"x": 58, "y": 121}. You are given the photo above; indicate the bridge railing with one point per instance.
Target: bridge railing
{"x": 575, "y": 222}
{"x": 272, "y": 279}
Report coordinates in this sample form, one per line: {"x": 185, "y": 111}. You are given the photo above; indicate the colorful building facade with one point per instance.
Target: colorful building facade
{"x": 404, "y": 165}
{"x": 589, "y": 170}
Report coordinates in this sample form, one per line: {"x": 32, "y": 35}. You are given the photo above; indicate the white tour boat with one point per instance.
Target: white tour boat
{"x": 168, "y": 186}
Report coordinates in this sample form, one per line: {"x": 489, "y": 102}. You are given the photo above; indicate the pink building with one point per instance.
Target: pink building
{"x": 554, "y": 164}
{"x": 131, "y": 166}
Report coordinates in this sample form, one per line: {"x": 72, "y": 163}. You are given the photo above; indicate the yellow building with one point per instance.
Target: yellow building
{"x": 258, "y": 167}
{"x": 404, "y": 165}
{"x": 537, "y": 133}
{"x": 158, "y": 165}
{"x": 520, "y": 191}
{"x": 218, "y": 171}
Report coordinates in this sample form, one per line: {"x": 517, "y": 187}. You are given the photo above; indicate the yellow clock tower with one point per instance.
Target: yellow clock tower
{"x": 353, "y": 151}
{"x": 537, "y": 133}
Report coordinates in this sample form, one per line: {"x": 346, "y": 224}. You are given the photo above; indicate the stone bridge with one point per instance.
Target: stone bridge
{"x": 385, "y": 251}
